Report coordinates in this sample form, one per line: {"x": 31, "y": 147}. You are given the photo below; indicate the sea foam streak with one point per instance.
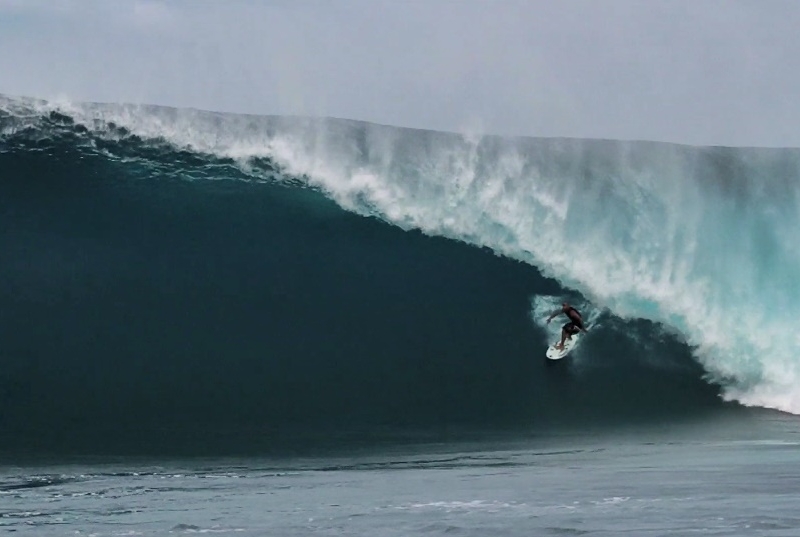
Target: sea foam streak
{"x": 699, "y": 239}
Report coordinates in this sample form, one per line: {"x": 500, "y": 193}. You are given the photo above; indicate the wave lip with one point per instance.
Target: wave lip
{"x": 698, "y": 239}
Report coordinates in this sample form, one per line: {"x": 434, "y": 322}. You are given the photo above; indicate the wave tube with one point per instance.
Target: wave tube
{"x": 698, "y": 239}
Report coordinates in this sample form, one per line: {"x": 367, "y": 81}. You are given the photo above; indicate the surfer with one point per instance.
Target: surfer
{"x": 574, "y": 326}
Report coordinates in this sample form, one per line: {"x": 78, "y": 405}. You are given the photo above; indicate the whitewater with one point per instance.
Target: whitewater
{"x": 700, "y": 240}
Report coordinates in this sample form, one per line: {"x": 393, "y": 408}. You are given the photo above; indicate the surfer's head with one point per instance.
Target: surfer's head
{"x": 564, "y": 305}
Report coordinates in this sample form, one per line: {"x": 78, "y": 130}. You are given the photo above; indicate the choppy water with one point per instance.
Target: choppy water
{"x": 705, "y": 479}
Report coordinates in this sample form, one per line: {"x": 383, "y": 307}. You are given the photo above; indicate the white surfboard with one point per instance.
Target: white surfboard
{"x": 555, "y": 354}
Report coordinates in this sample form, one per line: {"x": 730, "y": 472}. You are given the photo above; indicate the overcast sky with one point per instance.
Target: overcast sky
{"x": 694, "y": 71}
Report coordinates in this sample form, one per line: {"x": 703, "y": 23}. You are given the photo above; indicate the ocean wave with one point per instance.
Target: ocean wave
{"x": 699, "y": 240}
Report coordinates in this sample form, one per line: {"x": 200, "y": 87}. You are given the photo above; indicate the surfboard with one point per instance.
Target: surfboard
{"x": 555, "y": 354}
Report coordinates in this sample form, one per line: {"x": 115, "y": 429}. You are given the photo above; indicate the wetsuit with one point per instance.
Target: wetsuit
{"x": 575, "y": 323}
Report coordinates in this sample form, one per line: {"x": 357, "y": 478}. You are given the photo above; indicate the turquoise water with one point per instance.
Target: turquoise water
{"x": 699, "y": 240}
{"x": 280, "y": 326}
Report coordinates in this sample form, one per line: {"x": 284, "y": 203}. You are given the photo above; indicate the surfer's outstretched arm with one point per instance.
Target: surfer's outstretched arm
{"x": 553, "y": 315}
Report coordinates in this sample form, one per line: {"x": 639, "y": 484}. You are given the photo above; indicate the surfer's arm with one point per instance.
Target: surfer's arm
{"x": 553, "y": 315}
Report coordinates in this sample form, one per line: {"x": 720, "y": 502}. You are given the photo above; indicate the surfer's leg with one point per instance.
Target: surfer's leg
{"x": 560, "y": 345}
{"x": 566, "y": 333}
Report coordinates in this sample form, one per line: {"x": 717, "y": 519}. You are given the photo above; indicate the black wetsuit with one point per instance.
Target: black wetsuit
{"x": 575, "y": 323}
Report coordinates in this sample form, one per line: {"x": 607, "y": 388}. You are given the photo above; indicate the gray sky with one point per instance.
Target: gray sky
{"x": 694, "y": 71}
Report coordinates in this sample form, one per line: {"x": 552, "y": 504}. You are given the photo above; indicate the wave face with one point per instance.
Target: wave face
{"x": 175, "y": 267}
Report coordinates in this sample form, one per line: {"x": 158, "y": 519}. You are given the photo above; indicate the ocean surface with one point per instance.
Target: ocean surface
{"x": 217, "y": 323}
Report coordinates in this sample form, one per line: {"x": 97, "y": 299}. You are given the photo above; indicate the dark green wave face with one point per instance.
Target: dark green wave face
{"x": 161, "y": 300}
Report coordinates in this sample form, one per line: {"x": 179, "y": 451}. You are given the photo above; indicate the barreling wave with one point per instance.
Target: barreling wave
{"x": 699, "y": 240}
